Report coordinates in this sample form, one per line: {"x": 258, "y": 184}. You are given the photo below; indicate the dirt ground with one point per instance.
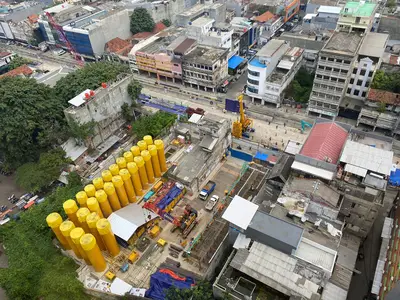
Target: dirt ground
{"x": 7, "y": 188}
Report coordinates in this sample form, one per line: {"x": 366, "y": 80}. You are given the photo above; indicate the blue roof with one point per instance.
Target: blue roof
{"x": 234, "y": 61}
{"x": 261, "y": 156}
{"x": 256, "y": 63}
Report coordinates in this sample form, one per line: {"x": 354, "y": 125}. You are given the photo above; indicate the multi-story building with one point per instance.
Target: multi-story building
{"x": 249, "y": 33}
{"x": 269, "y": 24}
{"x": 205, "y": 67}
{"x": 325, "y": 17}
{"x": 216, "y": 11}
{"x": 357, "y": 17}
{"x": 5, "y": 59}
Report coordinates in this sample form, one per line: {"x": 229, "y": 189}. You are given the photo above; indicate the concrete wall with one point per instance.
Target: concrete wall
{"x": 159, "y": 12}
{"x": 104, "y": 109}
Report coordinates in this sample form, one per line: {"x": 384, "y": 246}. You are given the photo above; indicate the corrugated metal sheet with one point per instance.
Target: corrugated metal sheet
{"x": 312, "y": 170}
{"x": 240, "y": 212}
{"x": 355, "y": 170}
{"x": 241, "y": 155}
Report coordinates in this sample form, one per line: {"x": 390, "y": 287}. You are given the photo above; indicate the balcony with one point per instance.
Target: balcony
{"x": 334, "y": 64}
{"x": 331, "y": 73}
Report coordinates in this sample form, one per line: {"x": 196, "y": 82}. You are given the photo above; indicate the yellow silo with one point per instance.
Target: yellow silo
{"x": 82, "y": 214}
{"x": 142, "y": 171}
{"x": 70, "y": 209}
{"x": 114, "y": 169}
{"x": 161, "y": 155}
{"x": 135, "y": 150}
{"x": 104, "y": 228}
{"x": 66, "y": 228}
{"x": 91, "y": 221}
{"x": 106, "y": 175}
{"x": 76, "y": 235}
{"x": 112, "y": 196}
{"x": 105, "y": 206}
{"x": 94, "y": 206}
{"x": 121, "y": 162}
{"x": 126, "y": 178}
{"x": 154, "y": 160}
{"x": 98, "y": 183}
{"x": 90, "y": 190}
{"x": 128, "y": 156}
{"x": 134, "y": 171}
{"x": 89, "y": 245}
{"x": 121, "y": 192}
{"x": 142, "y": 145}
{"x": 81, "y": 198}
{"x": 148, "y": 139}
{"x": 54, "y": 221}
{"x": 148, "y": 165}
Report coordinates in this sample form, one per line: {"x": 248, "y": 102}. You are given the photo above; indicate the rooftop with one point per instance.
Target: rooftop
{"x": 256, "y": 63}
{"x": 202, "y": 21}
{"x": 343, "y": 42}
{"x": 383, "y": 96}
{"x": 325, "y": 142}
{"x": 287, "y": 63}
{"x": 117, "y": 45}
{"x": 23, "y": 70}
{"x": 265, "y": 17}
{"x": 184, "y": 46}
{"x": 270, "y": 48}
{"x": 4, "y": 54}
{"x": 144, "y": 35}
{"x": 329, "y": 9}
{"x": 374, "y": 44}
{"x": 205, "y": 55}
{"x": 51, "y": 78}
{"x": 240, "y": 212}
{"x": 359, "y": 9}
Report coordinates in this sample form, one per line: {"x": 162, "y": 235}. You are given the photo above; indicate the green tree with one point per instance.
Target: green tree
{"x": 34, "y": 177}
{"x": 201, "y": 291}
{"x": 166, "y": 22}
{"x": 391, "y": 4}
{"x": 126, "y": 112}
{"x": 18, "y": 61}
{"x": 134, "y": 89}
{"x": 141, "y": 21}
{"x": 382, "y": 107}
{"x": 300, "y": 88}
{"x": 36, "y": 269}
{"x": 152, "y": 125}
{"x": 27, "y": 111}
{"x": 81, "y": 132}
{"x": 89, "y": 77}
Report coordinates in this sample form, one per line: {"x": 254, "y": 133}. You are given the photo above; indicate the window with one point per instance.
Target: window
{"x": 367, "y": 84}
{"x": 324, "y": 86}
{"x": 341, "y": 80}
{"x": 331, "y": 59}
{"x": 354, "y": 71}
{"x": 321, "y": 68}
{"x": 339, "y": 60}
{"x": 356, "y": 92}
{"x": 326, "y": 77}
{"x": 252, "y": 90}
{"x": 359, "y": 82}
{"x": 362, "y": 72}
{"x": 347, "y": 62}
{"x": 363, "y": 94}
{"x": 348, "y": 90}
{"x": 251, "y": 81}
{"x": 333, "y": 106}
{"x": 323, "y": 58}
{"x": 336, "y": 70}
{"x": 352, "y": 80}
{"x": 343, "y": 72}
{"x": 339, "y": 89}
{"x": 319, "y": 76}
{"x": 370, "y": 73}
{"x": 328, "y": 69}
{"x": 252, "y": 73}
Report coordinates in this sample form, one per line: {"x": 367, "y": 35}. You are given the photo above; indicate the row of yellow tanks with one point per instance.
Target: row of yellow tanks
{"x": 87, "y": 231}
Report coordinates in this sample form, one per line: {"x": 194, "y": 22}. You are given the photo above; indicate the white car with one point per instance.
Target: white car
{"x": 212, "y": 202}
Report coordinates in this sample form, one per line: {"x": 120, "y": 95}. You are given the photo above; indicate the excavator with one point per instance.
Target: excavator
{"x": 304, "y": 124}
{"x": 244, "y": 123}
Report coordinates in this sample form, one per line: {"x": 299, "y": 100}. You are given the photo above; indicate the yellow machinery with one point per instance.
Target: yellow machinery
{"x": 244, "y": 123}
{"x": 133, "y": 257}
{"x": 110, "y": 276}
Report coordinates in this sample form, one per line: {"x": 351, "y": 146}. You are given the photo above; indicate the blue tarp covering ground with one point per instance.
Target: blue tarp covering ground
{"x": 160, "y": 282}
{"x": 235, "y": 61}
{"x": 261, "y": 156}
{"x": 394, "y": 178}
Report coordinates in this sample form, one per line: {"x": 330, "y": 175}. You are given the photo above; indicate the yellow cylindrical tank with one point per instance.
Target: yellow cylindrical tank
{"x": 121, "y": 162}
{"x": 154, "y": 160}
{"x": 105, "y": 206}
{"x": 104, "y": 228}
{"x": 121, "y": 192}
{"x": 91, "y": 221}
{"x": 161, "y": 155}
{"x": 114, "y": 169}
{"x": 70, "y": 209}
{"x": 148, "y": 139}
{"x": 76, "y": 235}
{"x": 94, "y": 206}
{"x": 142, "y": 171}
{"x": 82, "y": 214}
{"x": 54, "y": 221}
{"x": 106, "y": 175}
{"x": 135, "y": 150}
{"x": 128, "y": 156}
{"x": 98, "y": 183}
{"x": 148, "y": 165}
{"x": 89, "y": 245}
{"x": 142, "y": 145}
{"x": 134, "y": 171}
{"x": 90, "y": 190}
{"x": 66, "y": 228}
{"x": 81, "y": 198}
{"x": 112, "y": 196}
{"x": 126, "y": 178}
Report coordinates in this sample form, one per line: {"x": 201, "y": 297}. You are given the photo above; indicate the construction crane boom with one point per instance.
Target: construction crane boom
{"x": 244, "y": 123}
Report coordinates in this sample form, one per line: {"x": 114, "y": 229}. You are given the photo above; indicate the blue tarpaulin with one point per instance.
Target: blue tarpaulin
{"x": 235, "y": 61}
{"x": 160, "y": 282}
{"x": 261, "y": 156}
{"x": 394, "y": 178}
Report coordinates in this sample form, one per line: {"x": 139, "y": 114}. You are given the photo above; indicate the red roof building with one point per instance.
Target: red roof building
{"x": 383, "y": 96}
{"x": 20, "y": 71}
{"x": 118, "y": 46}
{"x": 325, "y": 142}
{"x": 265, "y": 17}
{"x": 145, "y": 35}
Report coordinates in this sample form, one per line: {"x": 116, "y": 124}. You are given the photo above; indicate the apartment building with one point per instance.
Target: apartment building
{"x": 356, "y": 16}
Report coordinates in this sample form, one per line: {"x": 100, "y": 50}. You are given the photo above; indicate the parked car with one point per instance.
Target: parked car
{"x": 212, "y": 202}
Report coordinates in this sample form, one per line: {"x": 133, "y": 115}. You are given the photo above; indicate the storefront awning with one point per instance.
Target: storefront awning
{"x": 235, "y": 61}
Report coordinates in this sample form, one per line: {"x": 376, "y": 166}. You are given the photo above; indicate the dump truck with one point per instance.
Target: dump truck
{"x": 207, "y": 190}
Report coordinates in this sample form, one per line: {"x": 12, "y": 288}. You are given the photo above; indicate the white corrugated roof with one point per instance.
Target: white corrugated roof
{"x": 241, "y": 242}
{"x": 80, "y": 99}
{"x": 309, "y": 16}
{"x": 368, "y": 157}
{"x": 120, "y": 287}
{"x": 285, "y": 64}
{"x": 376, "y": 284}
{"x": 329, "y": 9}
{"x": 312, "y": 170}
{"x": 355, "y": 170}
{"x": 240, "y": 212}
{"x": 293, "y": 147}
{"x": 195, "y": 118}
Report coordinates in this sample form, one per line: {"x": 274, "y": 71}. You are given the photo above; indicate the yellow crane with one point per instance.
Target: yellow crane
{"x": 244, "y": 123}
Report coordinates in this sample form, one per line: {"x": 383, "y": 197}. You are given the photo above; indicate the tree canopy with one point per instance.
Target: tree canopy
{"x": 27, "y": 111}
{"x": 141, "y": 21}
{"x": 386, "y": 81}
{"x": 152, "y": 125}
{"x": 134, "y": 89}
{"x": 18, "y": 61}
{"x": 89, "y": 77}
{"x": 300, "y": 88}
{"x": 166, "y": 22}
{"x": 33, "y": 177}
{"x": 201, "y": 291}
{"x": 36, "y": 269}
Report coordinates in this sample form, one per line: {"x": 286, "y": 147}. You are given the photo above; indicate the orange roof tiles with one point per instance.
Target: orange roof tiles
{"x": 265, "y": 17}
{"x": 33, "y": 18}
{"x": 118, "y": 46}
{"x": 383, "y": 96}
{"x": 144, "y": 35}
{"x": 22, "y": 70}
